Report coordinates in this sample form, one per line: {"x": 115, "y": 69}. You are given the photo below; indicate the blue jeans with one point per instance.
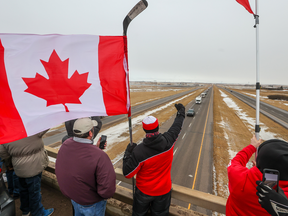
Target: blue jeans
{"x": 96, "y": 209}
{"x": 30, "y": 195}
{"x": 1, "y": 163}
{"x": 13, "y": 182}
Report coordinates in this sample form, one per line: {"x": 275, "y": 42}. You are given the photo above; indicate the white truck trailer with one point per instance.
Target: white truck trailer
{"x": 198, "y": 100}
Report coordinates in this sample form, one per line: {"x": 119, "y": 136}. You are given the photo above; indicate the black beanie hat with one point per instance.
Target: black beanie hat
{"x": 273, "y": 154}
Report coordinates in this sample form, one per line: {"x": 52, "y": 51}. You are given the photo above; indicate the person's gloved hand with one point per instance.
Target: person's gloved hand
{"x": 181, "y": 109}
{"x": 274, "y": 203}
{"x": 129, "y": 150}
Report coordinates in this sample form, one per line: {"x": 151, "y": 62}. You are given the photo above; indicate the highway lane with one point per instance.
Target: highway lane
{"x": 193, "y": 157}
{"x": 275, "y": 113}
{"x": 187, "y": 151}
{"x": 113, "y": 119}
{"x": 193, "y": 152}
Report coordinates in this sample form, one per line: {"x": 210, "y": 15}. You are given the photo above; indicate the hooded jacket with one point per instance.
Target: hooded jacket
{"x": 69, "y": 127}
{"x": 28, "y": 155}
{"x": 242, "y": 186}
{"x": 152, "y": 159}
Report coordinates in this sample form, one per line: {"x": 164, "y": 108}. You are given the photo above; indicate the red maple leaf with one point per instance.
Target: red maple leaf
{"x": 58, "y": 89}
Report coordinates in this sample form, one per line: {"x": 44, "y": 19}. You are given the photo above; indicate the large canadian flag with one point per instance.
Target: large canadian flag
{"x": 48, "y": 79}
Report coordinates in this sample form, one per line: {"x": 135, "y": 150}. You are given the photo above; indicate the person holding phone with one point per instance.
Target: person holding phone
{"x": 275, "y": 203}
{"x": 69, "y": 127}
{"x": 84, "y": 172}
{"x": 272, "y": 154}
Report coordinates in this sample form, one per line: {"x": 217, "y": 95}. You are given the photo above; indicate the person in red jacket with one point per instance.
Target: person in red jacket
{"x": 151, "y": 160}
{"x": 272, "y": 154}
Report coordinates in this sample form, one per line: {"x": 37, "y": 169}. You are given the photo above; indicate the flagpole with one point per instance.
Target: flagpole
{"x": 257, "y": 126}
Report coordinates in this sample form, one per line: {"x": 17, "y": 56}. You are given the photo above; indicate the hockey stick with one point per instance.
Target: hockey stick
{"x": 135, "y": 11}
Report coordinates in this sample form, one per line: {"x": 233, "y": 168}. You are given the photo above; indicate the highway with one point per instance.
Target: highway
{"x": 276, "y": 114}
{"x": 193, "y": 151}
{"x": 113, "y": 119}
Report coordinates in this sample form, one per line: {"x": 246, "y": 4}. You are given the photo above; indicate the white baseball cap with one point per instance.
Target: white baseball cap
{"x": 84, "y": 125}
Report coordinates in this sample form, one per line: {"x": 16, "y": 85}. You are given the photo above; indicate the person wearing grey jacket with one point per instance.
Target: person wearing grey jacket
{"x": 29, "y": 158}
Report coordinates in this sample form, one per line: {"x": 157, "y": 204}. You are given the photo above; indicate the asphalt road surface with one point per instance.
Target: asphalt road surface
{"x": 193, "y": 151}
{"x": 275, "y": 113}
{"x": 112, "y": 119}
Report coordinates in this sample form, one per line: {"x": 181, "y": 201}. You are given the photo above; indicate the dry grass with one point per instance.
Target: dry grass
{"x": 265, "y": 93}
{"x": 235, "y": 135}
{"x": 142, "y": 96}
{"x": 138, "y": 133}
{"x": 145, "y": 94}
{"x": 138, "y": 95}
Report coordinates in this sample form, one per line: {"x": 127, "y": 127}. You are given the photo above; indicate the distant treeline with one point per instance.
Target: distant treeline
{"x": 272, "y": 88}
{"x": 278, "y": 97}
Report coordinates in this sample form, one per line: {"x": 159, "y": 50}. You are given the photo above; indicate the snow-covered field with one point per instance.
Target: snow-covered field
{"x": 249, "y": 121}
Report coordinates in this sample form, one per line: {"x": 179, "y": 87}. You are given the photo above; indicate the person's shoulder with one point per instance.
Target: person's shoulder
{"x": 96, "y": 149}
{"x": 139, "y": 147}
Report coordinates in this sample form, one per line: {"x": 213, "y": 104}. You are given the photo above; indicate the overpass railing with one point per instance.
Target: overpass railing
{"x": 195, "y": 197}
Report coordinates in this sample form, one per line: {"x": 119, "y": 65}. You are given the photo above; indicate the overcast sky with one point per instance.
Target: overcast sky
{"x": 184, "y": 40}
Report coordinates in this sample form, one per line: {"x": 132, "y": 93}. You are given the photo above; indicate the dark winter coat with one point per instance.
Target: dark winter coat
{"x": 152, "y": 160}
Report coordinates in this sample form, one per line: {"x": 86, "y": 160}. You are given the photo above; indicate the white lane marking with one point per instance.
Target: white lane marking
{"x": 190, "y": 124}
{"x": 183, "y": 136}
{"x": 190, "y": 176}
{"x": 119, "y": 182}
{"x": 175, "y": 151}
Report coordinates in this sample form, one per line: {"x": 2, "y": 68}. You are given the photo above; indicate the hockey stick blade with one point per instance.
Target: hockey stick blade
{"x": 135, "y": 11}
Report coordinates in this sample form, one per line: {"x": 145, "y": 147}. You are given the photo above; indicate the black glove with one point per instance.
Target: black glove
{"x": 274, "y": 203}
{"x": 181, "y": 109}
{"x": 129, "y": 150}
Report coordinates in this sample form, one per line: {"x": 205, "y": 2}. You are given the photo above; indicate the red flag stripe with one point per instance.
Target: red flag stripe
{"x": 11, "y": 125}
{"x": 112, "y": 74}
{"x": 246, "y": 4}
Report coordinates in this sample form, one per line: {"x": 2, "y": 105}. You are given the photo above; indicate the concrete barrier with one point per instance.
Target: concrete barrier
{"x": 198, "y": 198}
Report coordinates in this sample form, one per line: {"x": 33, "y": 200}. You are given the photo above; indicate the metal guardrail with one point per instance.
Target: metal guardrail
{"x": 205, "y": 200}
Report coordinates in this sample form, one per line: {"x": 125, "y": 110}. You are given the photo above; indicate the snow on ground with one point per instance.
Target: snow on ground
{"x": 250, "y": 123}
{"x": 254, "y": 95}
{"x": 114, "y": 134}
{"x": 153, "y": 90}
{"x": 225, "y": 125}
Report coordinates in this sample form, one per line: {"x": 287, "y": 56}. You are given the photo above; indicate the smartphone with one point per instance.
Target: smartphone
{"x": 271, "y": 178}
{"x": 102, "y": 141}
